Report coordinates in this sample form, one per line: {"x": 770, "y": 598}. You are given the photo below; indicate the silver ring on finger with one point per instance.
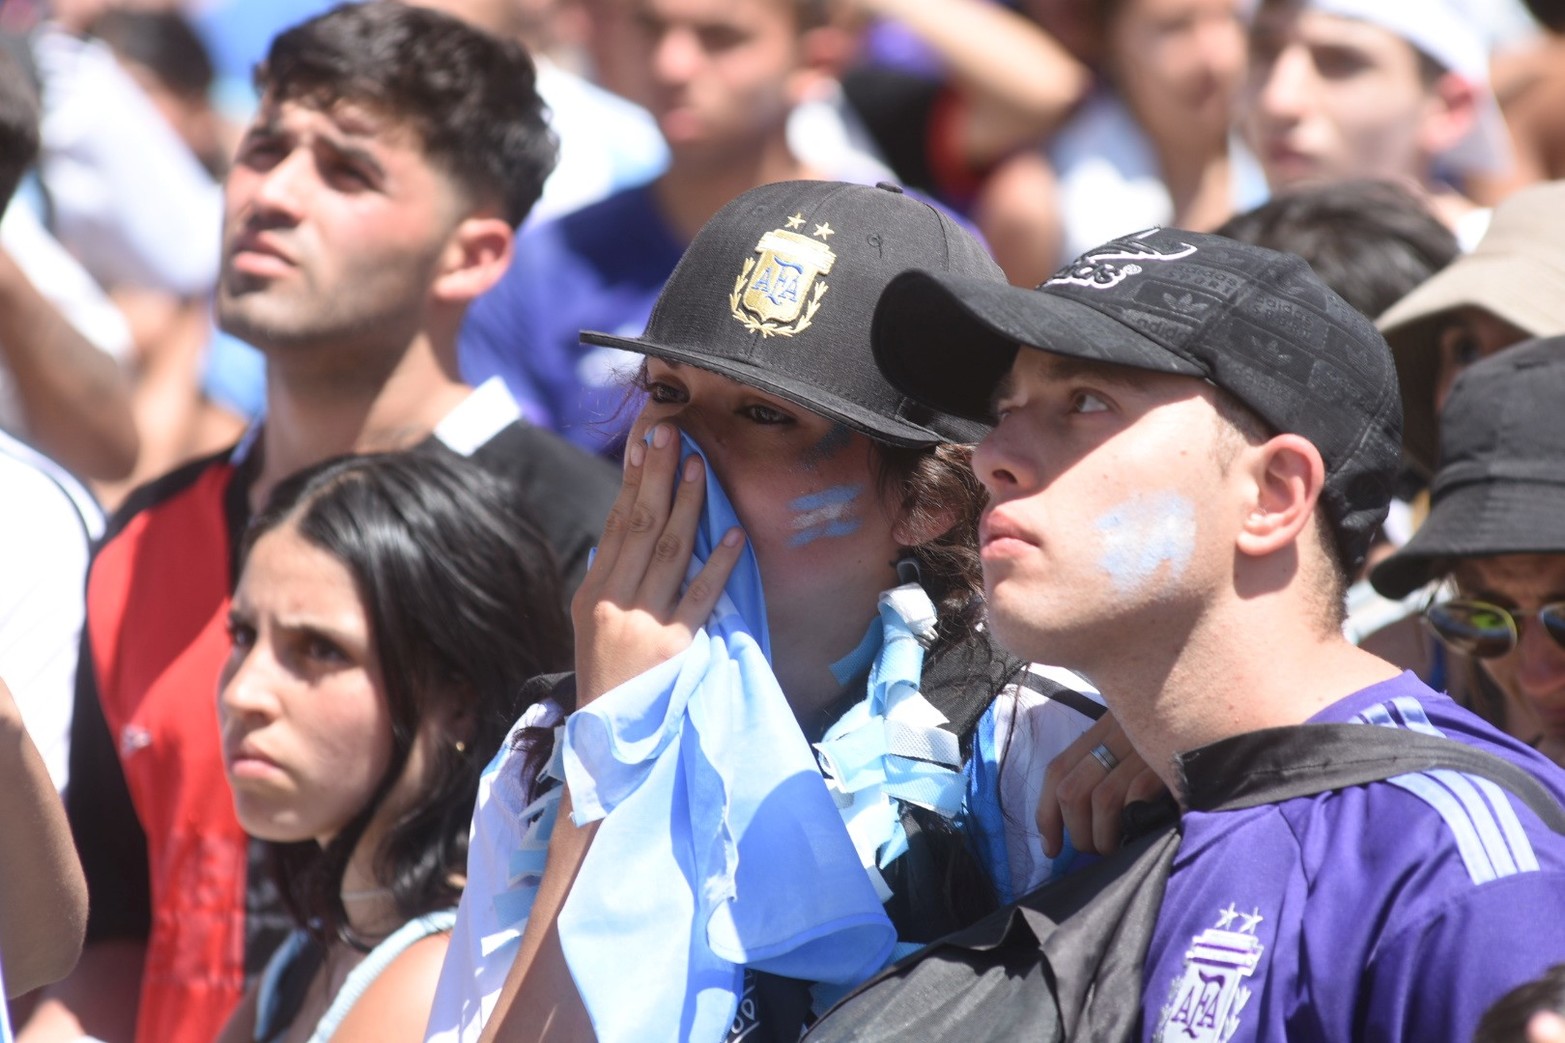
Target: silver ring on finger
{"x": 1104, "y": 756}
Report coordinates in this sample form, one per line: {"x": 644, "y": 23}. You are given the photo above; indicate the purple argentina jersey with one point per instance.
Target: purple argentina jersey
{"x": 1394, "y": 911}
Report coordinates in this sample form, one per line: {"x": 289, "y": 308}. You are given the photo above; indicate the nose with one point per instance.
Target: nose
{"x": 1001, "y": 469}
{"x": 245, "y": 690}
{"x": 1540, "y": 663}
{"x": 1283, "y": 87}
{"x": 1223, "y": 48}
{"x": 675, "y": 55}
{"x": 282, "y": 187}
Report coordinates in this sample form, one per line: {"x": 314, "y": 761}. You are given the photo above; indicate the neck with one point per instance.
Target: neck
{"x": 696, "y": 186}
{"x": 1257, "y": 663}
{"x": 316, "y": 412}
{"x": 1198, "y": 175}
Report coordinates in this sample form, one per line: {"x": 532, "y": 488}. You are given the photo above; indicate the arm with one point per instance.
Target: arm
{"x": 43, "y": 906}
{"x": 1016, "y": 82}
{"x": 101, "y": 996}
{"x": 629, "y": 615}
{"x": 74, "y": 397}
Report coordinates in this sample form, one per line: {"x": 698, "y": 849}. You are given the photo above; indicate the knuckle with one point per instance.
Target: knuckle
{"x": 669, "y": 548}
{"x": 699, "y": 591}
{"x": 641, "y": 518}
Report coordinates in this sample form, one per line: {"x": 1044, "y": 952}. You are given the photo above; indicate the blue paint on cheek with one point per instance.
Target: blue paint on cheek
{"x": 829, "y": 513}
{"x": 1142, "y": 536}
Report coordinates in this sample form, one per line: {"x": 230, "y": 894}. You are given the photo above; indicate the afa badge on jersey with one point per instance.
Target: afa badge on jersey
{"x": 1206, "y": 1002}
{"x": 780, "y": 292}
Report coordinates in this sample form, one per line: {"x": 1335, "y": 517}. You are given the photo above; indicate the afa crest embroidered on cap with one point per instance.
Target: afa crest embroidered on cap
{"x": 1102, "y": 268}
{"x": 779, "y": 293}
{"x": 1205, "y": 1003}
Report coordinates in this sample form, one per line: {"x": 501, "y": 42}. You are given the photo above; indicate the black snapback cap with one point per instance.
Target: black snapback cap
{"x": 777, "y": 291}
{"x": 1500, "y": 486}
{"x": 1257, "y": 323}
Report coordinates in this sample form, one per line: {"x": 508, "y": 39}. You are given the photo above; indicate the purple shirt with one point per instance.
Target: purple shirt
{"x": 1399, "y": 910}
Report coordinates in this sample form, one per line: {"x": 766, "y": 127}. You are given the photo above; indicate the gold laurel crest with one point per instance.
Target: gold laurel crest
{"x": 780, "y": 293}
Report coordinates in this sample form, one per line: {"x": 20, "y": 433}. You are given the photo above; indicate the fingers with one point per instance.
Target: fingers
{"x": 641, "y": 528}
{"x": 1084, "y": 798}
{"x": 702, "y": 594}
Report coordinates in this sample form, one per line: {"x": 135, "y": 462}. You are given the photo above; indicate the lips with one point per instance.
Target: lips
{"x": 258, "y": 252}
{"x": 246, "y": 760}
{"x": 996, "y": 532}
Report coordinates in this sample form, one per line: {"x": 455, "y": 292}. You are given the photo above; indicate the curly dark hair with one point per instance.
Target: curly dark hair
{"x": 469, "y": 96}
{"x": 462, "y": 597}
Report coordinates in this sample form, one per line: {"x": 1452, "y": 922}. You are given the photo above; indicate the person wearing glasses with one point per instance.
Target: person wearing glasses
{"x": 1496, "y": 536}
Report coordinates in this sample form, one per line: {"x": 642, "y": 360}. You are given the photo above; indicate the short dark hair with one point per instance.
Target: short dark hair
{"x": 1248, "y": 426}
{"x": 162, "y": 41}
{"x": 1549, "y": 13}
{"x": 18, "y": 124}
{"x": 463, "y": 601}
{"x": 1372, "y": 242}
{"x": 470, "y": 97}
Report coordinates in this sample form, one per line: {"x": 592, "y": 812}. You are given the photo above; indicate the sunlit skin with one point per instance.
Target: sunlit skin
{"x": 768, "y": 454}
{"x": 306, "y": 732}
{"x": 1075, "y": 441}
{"x": 1533, "y": 675}
{"x": 1179, "y": 63}
{"x": 717, "y": 71}
{"x": 1330, "y": 98}
{"x": 1467, "y": 335}
{"x": 330, "y": 215}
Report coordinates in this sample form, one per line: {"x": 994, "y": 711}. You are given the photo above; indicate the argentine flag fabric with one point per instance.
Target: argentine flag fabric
{"x": 720, "y": 846}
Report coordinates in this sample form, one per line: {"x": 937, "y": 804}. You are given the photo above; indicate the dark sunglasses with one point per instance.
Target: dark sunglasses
{"x": 1486, "y": 631}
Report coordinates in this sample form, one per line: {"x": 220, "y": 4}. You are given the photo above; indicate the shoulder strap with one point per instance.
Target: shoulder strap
{"x": 1277, "y": 764}
{"x": 364, "y": 975}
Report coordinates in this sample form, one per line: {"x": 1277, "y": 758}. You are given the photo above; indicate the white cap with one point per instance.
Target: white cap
{"x": 1444, "y": 32}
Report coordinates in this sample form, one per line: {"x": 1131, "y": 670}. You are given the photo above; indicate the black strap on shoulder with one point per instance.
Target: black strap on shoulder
{"x": 1089, "y": 931}
{"x": 1277, "y": 764}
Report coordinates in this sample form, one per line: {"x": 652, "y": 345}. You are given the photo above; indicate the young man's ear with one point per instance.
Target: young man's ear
{"x": 476, "y": 255}
{"x": 1450, "y": 113}
{"x": 1287, "y": 475}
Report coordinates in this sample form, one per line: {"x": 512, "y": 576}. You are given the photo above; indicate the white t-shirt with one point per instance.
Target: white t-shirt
{"x": 45, "y": 530}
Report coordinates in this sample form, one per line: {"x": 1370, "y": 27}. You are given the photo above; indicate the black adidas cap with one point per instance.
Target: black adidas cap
{"x": 778, "y": 289}
{"x": 1257, "y": 323}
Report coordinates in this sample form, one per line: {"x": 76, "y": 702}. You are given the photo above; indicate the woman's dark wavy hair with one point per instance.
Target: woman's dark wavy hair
{"x": 469, "y": 96}
{"x": 463, "y": 601}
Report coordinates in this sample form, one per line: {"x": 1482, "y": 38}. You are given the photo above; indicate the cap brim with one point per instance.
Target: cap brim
{"x": 947, "y": 341}
{"x": 1478, "y": 520}
{"x": 892, "y": 430}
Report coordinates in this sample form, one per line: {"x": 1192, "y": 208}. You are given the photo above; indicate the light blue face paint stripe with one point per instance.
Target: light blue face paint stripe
{"x": 1481, "y": 815}
{"x": 1505, "y": 813}
{"x": 836, "y": 496}
{"x": 1479, "y": 868}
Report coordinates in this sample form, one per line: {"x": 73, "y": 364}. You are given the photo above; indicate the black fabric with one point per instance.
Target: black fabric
{"x": 293, "y": 985}
{"x": 1500, "y": 487}
{"x": 1064, "y": 963}
{"x": 897, "y": 107}
{"x": 566, "y": 490}
{"x": 781, "y": 281}
{"x": 1257, "y": 323}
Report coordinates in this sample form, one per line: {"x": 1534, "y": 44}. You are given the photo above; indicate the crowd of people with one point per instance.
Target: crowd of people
{"x": 721, "y": 520}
